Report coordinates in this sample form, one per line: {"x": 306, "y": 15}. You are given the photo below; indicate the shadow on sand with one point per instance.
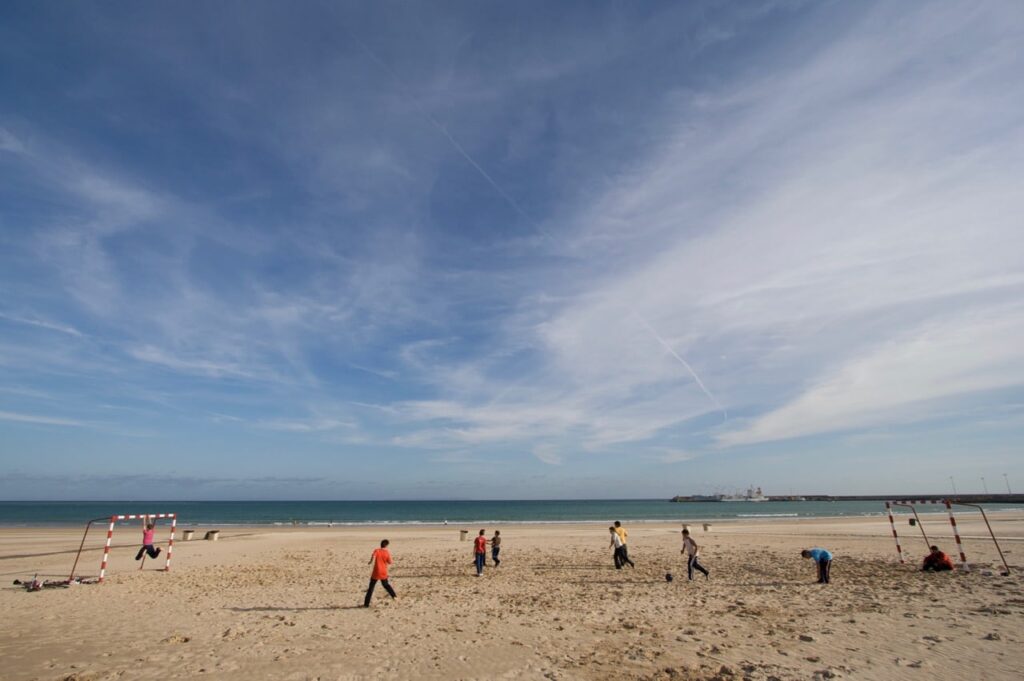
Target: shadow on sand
{"x": 279, "y": 609}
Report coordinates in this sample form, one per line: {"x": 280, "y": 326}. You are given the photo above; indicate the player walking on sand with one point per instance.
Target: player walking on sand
{"x": 380, "y": 559}
{"x": 624, "y": 549}
{"x": 691, "y": 550}
{"x": 480, "y": 553}
{"x": 496, "y": 548}
{"x": 615, "y": 544}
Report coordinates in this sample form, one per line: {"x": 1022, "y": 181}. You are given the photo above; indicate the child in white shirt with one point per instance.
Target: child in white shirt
{"x": 691, "y": 549}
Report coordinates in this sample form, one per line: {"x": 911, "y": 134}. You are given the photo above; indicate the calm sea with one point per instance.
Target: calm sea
{"x": 34, "y": 513}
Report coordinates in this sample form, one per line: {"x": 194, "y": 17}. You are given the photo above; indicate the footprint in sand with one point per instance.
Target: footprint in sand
{"x": 177, "y": 638}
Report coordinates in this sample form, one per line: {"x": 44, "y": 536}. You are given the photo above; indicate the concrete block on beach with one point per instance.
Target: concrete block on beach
{"x": 212, "y": 535}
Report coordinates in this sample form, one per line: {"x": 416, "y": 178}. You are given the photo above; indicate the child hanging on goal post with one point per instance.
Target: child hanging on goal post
{"x": 147, "y": 543}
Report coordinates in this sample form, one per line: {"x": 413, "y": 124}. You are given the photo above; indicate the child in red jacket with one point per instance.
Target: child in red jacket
{"x": 936, "y": 561}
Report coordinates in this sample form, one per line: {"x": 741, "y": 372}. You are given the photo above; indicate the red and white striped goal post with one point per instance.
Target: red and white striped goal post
{"x": 952, "y": 521}
{"x": 137, "y": 516}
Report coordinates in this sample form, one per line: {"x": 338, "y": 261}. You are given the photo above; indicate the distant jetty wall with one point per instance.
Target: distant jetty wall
{"x": 963, "y": 498}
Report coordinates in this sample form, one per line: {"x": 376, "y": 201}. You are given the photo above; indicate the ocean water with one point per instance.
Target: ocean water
{"x": 315, "y": 513}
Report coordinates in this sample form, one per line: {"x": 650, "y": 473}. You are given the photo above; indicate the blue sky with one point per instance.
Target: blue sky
{"x": 509, "y": 250}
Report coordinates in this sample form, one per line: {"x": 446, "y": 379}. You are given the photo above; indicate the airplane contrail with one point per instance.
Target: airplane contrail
{"x": 686, "y": 365}
{"x": 447, "y": 135}
{"x": 512, "y": 202}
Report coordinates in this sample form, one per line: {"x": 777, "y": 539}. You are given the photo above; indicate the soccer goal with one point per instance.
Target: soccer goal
{"x": 948, "y": 503}
{"x": 113, "y": 520}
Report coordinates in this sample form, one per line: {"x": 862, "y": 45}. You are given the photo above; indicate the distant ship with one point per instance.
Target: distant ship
{"x": 697, "y": 497}
{"x": 751, "y": 495}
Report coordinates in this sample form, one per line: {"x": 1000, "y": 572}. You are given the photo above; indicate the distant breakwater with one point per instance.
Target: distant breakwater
{"x": 958, "y": 498}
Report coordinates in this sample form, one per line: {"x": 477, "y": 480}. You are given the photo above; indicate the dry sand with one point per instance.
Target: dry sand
{"x": 284, "y": 604}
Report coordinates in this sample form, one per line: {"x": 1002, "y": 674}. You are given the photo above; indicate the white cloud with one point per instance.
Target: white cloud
{"x": 9, "y": 142}
{"x": 805, "y": 220}
{"x": 128, "y": 204}
{"x": 155, "y": 355}
{"x": 677, "y": 456}
{"x": 43, "y": 420}
{"x": 43, "y": 324}
{"x": 548, "y": 454}
{"x": 796, "y": 234}
{"x": 440, "y": 424}
{"x": 894, "y": 382}
{"x": 311, "y": 425}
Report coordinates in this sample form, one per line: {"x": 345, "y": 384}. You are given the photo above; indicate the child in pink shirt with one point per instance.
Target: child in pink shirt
{"x": 147, "y": 543}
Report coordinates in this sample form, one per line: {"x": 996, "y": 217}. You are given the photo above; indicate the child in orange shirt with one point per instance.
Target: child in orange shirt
{"x": 380, "y": 559}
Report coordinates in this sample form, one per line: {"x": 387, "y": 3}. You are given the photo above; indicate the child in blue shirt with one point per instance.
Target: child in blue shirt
{"x": 824, "y": 560}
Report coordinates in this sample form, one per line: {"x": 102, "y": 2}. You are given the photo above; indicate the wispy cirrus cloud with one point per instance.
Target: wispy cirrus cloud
{"x": 202, "y": 366}
{"x": 766, "y": 264}
{"x": 40, "y": 419}
{"x": 808, "y": 222}
{"x": 904, "y": 379}
{"x": 42, "y": 323}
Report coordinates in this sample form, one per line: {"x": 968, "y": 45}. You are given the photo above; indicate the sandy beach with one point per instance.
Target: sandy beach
{"x": 284, "y": 603}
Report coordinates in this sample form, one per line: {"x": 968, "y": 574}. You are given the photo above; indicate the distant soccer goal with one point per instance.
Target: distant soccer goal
{"x": 113, "y": 520}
